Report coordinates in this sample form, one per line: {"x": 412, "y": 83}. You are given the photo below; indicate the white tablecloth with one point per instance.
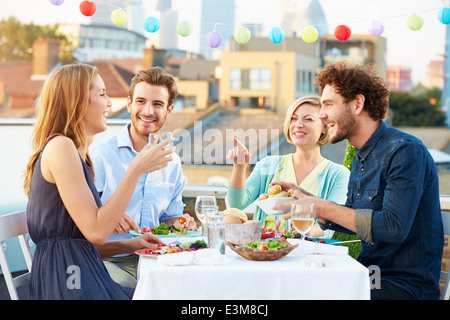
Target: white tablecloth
{"x": 291, "y": 277}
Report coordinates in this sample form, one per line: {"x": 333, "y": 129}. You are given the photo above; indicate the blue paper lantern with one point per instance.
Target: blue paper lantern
{"x": 444, "y": 15}
{"x": 57, "y": 2}
{"x": 151, "y": 24}
{"x": 276, "y": 35}
{"x": 214, "y": 39}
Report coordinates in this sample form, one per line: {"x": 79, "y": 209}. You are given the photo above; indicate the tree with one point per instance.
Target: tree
{"x": 16, "y": 40}
{"x": 416, "y": 111}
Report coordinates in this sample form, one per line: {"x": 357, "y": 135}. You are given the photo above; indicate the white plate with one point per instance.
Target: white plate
{"x": 267, "y": 205}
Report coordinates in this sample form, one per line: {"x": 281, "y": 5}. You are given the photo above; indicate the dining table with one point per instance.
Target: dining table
{"x": 315, "y": 271}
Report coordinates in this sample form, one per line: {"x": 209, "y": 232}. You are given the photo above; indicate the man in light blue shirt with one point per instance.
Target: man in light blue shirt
{"x": 150, "y": 102}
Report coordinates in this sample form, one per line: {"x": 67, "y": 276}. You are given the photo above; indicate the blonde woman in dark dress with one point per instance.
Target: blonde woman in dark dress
{"x": 66, "y": 218}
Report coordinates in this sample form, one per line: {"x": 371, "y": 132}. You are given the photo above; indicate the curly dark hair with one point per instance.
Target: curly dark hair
{"x": 351, "y": 80}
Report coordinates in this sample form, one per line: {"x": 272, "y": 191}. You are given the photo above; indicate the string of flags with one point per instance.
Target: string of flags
{"x": 242, "y": 35}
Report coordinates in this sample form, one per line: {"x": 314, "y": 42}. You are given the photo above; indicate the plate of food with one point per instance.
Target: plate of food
{"x": 264, "y": 251}
{"x": 162, "y": 250}
{"x": 267, "y": 233}
{"x": 275, "y": 195}
{"x": 163, "y": 231}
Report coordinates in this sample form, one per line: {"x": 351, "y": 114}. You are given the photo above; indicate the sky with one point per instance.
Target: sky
{"x": 413, "y": 49}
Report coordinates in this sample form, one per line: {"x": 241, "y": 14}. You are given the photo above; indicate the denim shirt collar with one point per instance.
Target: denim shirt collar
{"x": 372, "y": 142}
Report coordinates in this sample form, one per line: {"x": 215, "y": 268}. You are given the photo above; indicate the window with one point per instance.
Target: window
{"x": 253, "y": 79}
{"x": 260, "y": 79}
{"x": 235, "y": 79}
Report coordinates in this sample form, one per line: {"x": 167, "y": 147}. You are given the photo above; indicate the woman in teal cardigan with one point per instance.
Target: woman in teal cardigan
{"x": 306, "y": 167}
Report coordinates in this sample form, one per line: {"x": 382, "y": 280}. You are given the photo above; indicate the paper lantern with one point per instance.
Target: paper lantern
{"x": 276, "y": 35}
{"x": 119, "y": 17}
{"x": 87, "y": 8}
{"x": 444, "y": 15}
{"x": 214, "y": 39}
{"x": 57, "y": 2}
{"x": 242, "y": 35}
{"x": 342, "y": 32}
{"x": 376, "y": 28}
{"x": 151, "y": 24}
{"x": 414, "y": 22}
{"x": 309, "y": 34}
{"x": 184, "y": 28}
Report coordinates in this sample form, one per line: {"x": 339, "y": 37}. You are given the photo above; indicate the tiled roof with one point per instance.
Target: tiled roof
{"x": 436, "y": 137}
{"x": 16, "y": 75}
{"x": 23, "y": 89}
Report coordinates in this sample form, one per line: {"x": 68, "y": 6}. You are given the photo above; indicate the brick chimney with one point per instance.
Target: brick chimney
{"x": 147, "y": 60}
{"x": 45, "y": 56}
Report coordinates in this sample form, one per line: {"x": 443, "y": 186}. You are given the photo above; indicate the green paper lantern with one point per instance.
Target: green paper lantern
{"x": 119, "y": 17}
{"x": 309, "y": 34}
{"x": 184, "y": 28}
{"x": 414, "y": 22}
{"x": 242, "y": 35}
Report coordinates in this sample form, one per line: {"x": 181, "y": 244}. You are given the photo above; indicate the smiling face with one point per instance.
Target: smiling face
{"x": 337, "y": 115}
{"x": 94, "y": 120}
{"x": 149, "y": 109}
{"x": 306, "y": 128}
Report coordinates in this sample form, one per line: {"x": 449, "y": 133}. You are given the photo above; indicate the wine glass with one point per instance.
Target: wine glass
{"x": 204, "y": 205}
{"x": 303, "y": 216}
{"x": 155, "y": 138}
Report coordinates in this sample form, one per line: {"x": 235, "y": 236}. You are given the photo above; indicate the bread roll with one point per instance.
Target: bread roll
{"x": 281, "y": 194}
{"x": 230, "y": 219}
{"x": 263, "y": 196}
{"x": 230, "y": 214}
{"x": 274, "y": 189}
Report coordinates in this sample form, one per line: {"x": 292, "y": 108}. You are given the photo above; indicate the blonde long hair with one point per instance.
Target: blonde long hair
{"x": 61, "y": 106}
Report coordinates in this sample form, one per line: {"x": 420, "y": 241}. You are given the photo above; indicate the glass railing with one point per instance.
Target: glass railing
{"x": 15, "y": 146}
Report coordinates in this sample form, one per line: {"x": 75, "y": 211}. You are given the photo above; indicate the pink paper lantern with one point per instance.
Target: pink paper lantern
{"x": 214, "y": 39}
{"x": 376, "y": 28}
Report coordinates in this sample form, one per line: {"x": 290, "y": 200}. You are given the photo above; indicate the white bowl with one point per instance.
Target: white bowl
{"x": 266, "y": 205}
{"x": 244, "y": 233}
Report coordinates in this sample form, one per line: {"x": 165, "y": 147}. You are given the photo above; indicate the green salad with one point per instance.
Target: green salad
{"x": 162, "y": 229}
{"x": 268, "y": 245}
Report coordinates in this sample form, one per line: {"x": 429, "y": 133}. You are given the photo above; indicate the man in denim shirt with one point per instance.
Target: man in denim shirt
{"x": 393, "y": 192}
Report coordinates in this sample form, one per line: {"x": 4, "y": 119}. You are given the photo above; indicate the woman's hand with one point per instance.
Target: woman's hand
{"x": 152, "y": 158}
{"x": 147, "y": 240}
{"x": 126, "y": 223}
{"x": 239, "y": 154}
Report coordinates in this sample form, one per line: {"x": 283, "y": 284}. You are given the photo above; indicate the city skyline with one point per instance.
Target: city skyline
{"x": 414, "y": 49}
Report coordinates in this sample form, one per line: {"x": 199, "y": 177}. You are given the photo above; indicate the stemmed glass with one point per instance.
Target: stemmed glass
{"x": 303, "y": 216}
{"x": 155, "y": 138}
{"x": 204, "y": 205}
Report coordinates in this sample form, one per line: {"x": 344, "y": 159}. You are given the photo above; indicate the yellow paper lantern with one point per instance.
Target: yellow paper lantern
{"x": 242, "y": 35}
{"x": 119, "y": 17}
{"x": 414, "y": 22}
{"x": 309, "y": 34}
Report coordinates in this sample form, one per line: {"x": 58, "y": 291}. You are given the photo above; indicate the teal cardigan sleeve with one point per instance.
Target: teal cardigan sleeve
{"x": 256, "y": 183}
